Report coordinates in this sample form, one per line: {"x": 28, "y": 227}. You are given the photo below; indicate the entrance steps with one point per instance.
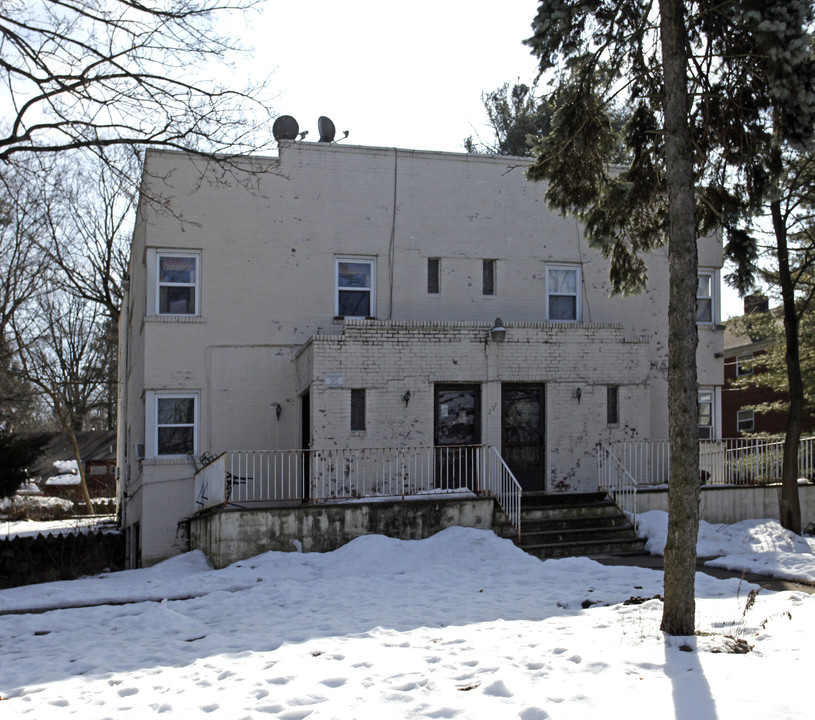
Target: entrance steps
{"x": 570, "y": 524}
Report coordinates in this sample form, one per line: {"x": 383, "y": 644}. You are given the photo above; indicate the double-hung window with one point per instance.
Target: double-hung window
{"x": 705, "y": 422}
{"x": 356, "y": 287}
{"x": 176, "y": 424}
{"x": 745, "y": 420}
{"x": 705, "y": 311}
{"x": 177, "y": 283}
{"x": 563, "y": 293}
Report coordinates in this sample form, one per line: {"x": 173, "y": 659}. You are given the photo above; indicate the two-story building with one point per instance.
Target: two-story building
{"x": 355, "y": 297}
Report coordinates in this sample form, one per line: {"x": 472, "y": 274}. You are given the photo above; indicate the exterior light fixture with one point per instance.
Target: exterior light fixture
{"x": 406, "y": 397}
{"x": 498, "y": 332}
{"x": 578, "y": 393}
{"x": 277, "y": 410}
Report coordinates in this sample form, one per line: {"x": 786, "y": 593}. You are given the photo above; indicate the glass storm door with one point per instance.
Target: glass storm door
{"x": 457, "y": 425}
{"x": 522, "y": 413}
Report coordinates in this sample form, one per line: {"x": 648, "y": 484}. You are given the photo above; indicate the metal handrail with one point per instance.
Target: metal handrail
{"x": 614, "y": 478}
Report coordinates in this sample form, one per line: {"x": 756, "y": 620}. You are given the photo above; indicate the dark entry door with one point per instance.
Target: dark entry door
{"x": 457, "y": 425}
{"x": 523, "y": 433}
{"x": 305, "y": 443}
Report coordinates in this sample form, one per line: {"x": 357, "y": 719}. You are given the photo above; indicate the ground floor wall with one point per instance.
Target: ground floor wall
{"x": 727, "y": 505}
{"x": 228, "y": 536}
{"x": 155, "y": 512}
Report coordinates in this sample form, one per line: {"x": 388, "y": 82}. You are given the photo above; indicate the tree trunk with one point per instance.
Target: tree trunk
{"x": 80, "y": 469}
{"x": 678, "y": 617}
{"x": 790, "y": 505}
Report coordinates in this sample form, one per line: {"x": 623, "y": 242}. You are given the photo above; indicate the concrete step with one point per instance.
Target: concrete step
{"x": 570, "y": 525}
{"x": 586, "y": 547}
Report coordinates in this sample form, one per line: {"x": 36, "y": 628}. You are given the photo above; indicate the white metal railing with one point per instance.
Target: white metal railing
{"x": 617, "y": 481}
{"x": 506, "y": 489}
{"x": 210, "y": 485}
{"x": 730, "y": 461}
{"x": 339, "y": 474}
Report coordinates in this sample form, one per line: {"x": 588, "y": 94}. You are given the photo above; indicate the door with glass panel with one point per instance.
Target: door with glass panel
{"x": 457, "y": 430}
{"x": 523, "y": 433}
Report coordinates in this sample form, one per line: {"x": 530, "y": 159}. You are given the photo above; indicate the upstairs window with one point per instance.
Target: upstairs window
{"x": 488, "y": 277}
{"x": 177, "y": 284}
{"x": 433, "y": 276}
{"x": 704, "y": 298}
{"x": 355, "y": 294}
{"x": 744, "y": 365}
{"x": 563, "y": 294}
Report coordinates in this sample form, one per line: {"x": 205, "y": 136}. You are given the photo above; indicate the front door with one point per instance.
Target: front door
{"x": 522, "y": 435}
{"x": 457, "y": 425}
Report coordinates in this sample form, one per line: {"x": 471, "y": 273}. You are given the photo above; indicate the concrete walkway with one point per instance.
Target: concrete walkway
{"x": 655, "y": 562}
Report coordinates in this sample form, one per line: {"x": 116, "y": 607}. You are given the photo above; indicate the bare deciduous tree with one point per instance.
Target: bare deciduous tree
{"x": 99, "y": 73}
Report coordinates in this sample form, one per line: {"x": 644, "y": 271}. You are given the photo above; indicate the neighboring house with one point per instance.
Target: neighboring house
{"x": 742, "y": 358}
{"x": 56, "y": 471}
{"x": 357, "y": 297}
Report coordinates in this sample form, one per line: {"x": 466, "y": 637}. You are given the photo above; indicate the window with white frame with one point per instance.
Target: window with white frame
{"x": 705, "y": 421}
{"x": 176, "y": 424}
{"x": 744, "y": 365}
{"x": 745, "y": 421}
{"x": 177, "y": 283}
{"x": 563, "y": 293}
{"x": 356, "y": 287}
{"x": 705, "y": 297}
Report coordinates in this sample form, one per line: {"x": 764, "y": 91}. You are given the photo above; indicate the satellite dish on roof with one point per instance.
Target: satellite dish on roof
{"x": 285, "y": 128}
{"x": 326, "y": 129}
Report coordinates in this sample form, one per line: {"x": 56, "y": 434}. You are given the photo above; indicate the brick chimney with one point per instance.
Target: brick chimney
{"x": 756, "y": 303}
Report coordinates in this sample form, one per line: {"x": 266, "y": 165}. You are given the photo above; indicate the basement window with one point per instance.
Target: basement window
{"x": 358, "y": 410}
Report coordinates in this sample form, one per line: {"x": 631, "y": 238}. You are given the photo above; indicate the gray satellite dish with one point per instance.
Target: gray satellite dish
{"x": 285, "y": 128}
{"x": 326, "y": 129}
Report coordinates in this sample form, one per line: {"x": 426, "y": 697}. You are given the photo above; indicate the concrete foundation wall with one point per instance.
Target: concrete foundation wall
{"x": 228, "y": 536}
{"x": 730, "y": 505}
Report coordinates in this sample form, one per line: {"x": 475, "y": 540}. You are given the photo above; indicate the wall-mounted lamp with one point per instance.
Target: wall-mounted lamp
{"x": 406, "y": 397}
{"x": 578, "y": 393}
{"x": 277, "y": 410}
{"x": 498, "y": 332}
{"x": 718, "y": 355}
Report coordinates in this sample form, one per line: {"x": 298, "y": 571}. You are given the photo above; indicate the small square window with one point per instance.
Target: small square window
{"x": 488, "y": 277}
{"x": 563, "y": 294}
{"x": 433, "y": 276}
{"x": 744, "y": 365}
{"x": 175, "y": 424}
{"x": 355, "y": 287}
{"x": 358, "y": 410}
{"x": 177, "y": 284}
{"x": 612, "y": 405}
{"x": 745, "y": 421}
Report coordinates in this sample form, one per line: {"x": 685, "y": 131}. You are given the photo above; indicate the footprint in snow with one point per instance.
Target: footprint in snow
{"x": 498, "y": 689}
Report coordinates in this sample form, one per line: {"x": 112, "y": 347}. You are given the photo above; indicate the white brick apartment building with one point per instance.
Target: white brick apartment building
{"x": 346, "y": 297}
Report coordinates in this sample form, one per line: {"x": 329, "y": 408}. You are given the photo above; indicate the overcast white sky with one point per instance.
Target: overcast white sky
{"x": 406, "y": 75}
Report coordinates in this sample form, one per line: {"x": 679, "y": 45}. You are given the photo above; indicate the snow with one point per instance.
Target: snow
{"x": 32, "y": 504}
{"x": 461, "y": 625}
{"x": 31, "y": 528}
{"x": 757, "y": 546}
{"x": 67, "y": 479}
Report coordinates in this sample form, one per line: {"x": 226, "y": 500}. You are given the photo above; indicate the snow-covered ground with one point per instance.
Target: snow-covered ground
{"x": 32, "y": 528}
{"x": 461, "y": 625}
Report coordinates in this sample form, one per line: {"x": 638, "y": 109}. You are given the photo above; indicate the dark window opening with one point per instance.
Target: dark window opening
{"x": 488, "y": 277}
{"x": 358, "y": 410}
{"x": 612, "y": 405}
{"x": 433, "y": 272}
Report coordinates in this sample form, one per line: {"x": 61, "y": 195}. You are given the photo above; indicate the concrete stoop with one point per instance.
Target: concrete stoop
{"x": 554, "y": 526}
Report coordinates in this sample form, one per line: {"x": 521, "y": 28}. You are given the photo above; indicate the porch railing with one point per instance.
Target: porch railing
{"x": 210, "y": 488}
{"x": 342, "y": 474}
{"x": 617, "y": 481}
{"x": 731, "y": 461}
